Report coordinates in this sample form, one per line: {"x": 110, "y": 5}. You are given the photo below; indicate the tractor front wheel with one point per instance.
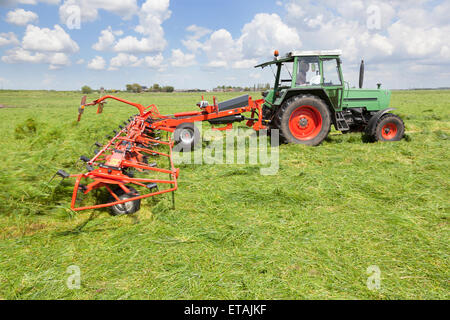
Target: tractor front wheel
{"x": 304, "y": 120}
{"x": 390, "y": 127}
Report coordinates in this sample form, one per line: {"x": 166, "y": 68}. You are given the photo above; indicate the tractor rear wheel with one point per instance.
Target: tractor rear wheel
{"x": 304, "y": 119}
{"x": 127, "y": 207}
{"x": 389, "y": 127}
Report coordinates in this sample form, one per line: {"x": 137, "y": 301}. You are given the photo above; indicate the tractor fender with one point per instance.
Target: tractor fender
{"x": 373, "y": 121}
{"x": 319, "y": 92}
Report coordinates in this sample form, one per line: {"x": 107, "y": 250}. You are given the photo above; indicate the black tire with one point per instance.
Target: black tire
{"x": 267, "y": 113}
{"x": 389, "y": 127}
{"x": 127, "y": 207}
{"x": 314, "y": 120}
{"x": 186, "y": 136}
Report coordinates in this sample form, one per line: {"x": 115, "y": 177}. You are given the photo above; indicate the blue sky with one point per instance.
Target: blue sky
{"x": 202, "y": 44}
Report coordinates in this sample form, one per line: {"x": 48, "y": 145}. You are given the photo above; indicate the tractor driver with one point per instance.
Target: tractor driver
{"x": 303, "y": 68}
{"x": 305, "y": 76}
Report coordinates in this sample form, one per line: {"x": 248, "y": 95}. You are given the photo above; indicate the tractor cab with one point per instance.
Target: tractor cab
{"x": 306, "y": 69}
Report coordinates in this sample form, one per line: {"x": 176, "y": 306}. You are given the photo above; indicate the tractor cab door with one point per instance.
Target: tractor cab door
{"x": 332, "y": 80}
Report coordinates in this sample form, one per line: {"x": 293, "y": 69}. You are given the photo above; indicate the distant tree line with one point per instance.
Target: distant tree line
{"x": 135, "y": 87}
{"x": 89, "y": 90}
{"x": 258, "y": 87}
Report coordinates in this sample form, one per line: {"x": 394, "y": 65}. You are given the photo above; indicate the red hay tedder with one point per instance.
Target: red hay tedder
{"x": 115, "y": 164}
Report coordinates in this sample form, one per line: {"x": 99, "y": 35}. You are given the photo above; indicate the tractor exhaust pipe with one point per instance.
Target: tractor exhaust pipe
{"x": 361, "y": 74}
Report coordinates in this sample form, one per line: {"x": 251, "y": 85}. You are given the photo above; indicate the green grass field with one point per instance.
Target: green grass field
{"x": 309, "y": 232}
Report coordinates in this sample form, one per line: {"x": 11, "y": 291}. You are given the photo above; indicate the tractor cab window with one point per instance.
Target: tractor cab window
{"x": 286, "y": 74}
{"x": 308, "y": 73}
{"x": 331, "y": 75}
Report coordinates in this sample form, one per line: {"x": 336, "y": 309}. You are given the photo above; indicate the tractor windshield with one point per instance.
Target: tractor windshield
{"x": 286, "y": 74}
{"x": 308, "y": 71}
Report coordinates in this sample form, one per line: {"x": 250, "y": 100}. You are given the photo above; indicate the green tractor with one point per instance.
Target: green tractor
{"x": 310, "y": 94}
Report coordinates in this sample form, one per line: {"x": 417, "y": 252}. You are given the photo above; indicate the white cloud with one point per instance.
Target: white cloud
{"x": 416, "y": 41}
{"x": 8, "y": 39}
{"x": 98, "y": 63}
{"x": 118, "y": 33}
{"x": 105, "y": 41}
{"x": 406, "y": 27}
{"x": 294, "y": 10}
{"x": 259, "y": 38}
{"x": 197, "y": 32}
{"x": 245, "y": 64}
{"x": 89, "y": 8}
{"x": 31, "y": 2}
{"x": 410, "y": 34}
{"x": 192, "y": 42}
{"x": 154, "y": 61}
{"x": 58, "y": 60}
{"x": 221, "y": 49}
{"x": 265, "y": 33}
{"x": 56, "y": 40}
{"x": 132, "y": 44}
{"x": 129, "y": 60}
{"x": 180, "y": 59}
{"x": 255, "y": 75}
{"x": 19, "y": 55}
{"x": 124, "y": 60}
{"x": 21, "y": 17}
{"x": 151, "y": 15}
{"x": 217, "y": 64}
{"x": 49, "y": 46}
{"x": 80, "y": 61}
{"x": 192, "y": 45}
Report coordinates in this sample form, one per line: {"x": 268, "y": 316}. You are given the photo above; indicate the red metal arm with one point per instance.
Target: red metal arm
{"x": 136, "y": 105}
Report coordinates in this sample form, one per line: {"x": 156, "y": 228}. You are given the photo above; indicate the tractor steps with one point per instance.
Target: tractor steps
{"x": 341, "y": 123}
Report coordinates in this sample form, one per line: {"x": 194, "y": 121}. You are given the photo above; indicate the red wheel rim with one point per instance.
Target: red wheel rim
{"x": 389, "y": 131}
{"x": 305, "y": 122}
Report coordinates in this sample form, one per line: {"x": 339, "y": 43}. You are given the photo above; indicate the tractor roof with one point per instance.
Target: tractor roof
{"x": 289, "y": 57}
{"x": 315, "y": 53}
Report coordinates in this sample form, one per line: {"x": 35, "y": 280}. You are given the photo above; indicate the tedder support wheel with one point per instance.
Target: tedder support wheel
{"x": 389, "y": 127}
{"x": 127, "y": 207}
{"x": 304, "y": 119}
{"x": 186, "y": 136}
